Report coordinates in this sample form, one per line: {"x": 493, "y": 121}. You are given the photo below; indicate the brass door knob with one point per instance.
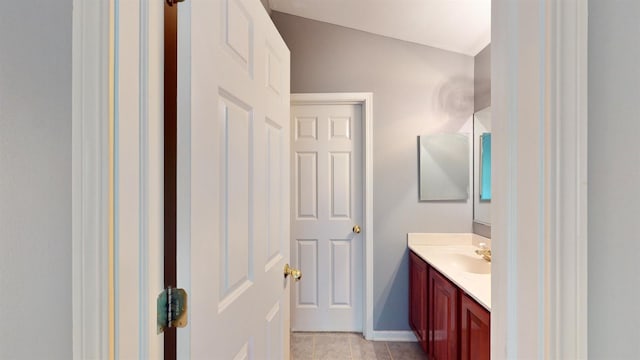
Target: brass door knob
{"x": 295, "y": 273}
{"x": 356, "y": 229}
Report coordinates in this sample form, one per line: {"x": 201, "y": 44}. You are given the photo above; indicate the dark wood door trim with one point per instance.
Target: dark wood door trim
{"x": 170, "y": 159}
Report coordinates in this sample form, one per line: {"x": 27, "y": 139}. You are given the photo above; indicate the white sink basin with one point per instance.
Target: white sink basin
{"x": 471, "y": 264}
{"x": 454, "y": 256}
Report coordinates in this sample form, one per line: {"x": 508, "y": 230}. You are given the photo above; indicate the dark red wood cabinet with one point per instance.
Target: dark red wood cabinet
{"x": 418, "y": 299}
{"x": 475, "y": 330}
{"x": 443, "y": 319}
{"x": 448, "y": 323}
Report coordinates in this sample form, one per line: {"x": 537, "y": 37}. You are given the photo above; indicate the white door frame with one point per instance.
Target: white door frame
{"x": 117, "y": 177}
{"x": 366, "y": 100}
{"x": 90, "y": 179}
{"x": 138, "y": 176}
{"x": 539, "y": 215}
{"x": 563, "y": 266}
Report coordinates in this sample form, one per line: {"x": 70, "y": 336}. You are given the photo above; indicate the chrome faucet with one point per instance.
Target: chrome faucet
{"x": 484, "y": 251}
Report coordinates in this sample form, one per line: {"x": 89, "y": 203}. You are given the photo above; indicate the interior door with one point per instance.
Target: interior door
{"x": 327, "y": 206}
{"x": 233, "y": 181}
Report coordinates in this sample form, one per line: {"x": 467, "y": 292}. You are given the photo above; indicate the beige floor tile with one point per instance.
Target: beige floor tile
{"x": 331, "y": 346}
{"x": 302, "y": 346}
{"x": 406, "y": 351}
{"x": 350, "y": 346}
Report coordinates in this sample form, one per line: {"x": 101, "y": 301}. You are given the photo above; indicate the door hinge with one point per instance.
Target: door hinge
{"x": 172, "y": 309}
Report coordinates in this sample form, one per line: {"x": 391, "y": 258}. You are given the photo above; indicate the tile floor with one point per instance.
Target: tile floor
{"x": 346, "y": 346}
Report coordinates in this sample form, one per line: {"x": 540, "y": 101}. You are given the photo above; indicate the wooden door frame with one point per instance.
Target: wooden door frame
{"x": 170, "y": 161}
{"x": 365, "y": 99}
{"x": 539, "y": 214}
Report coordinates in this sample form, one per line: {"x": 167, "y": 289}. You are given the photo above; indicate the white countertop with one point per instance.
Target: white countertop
{"x": 441, "y": 250}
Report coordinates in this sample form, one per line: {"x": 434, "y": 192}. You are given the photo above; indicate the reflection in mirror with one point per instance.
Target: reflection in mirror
{"x": 482, "y": 166}
{"x": 485, "y": 166}
{"x": 444, "y": 167}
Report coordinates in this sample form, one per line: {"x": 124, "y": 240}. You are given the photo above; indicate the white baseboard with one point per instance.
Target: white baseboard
{"x": 393, "y": 335}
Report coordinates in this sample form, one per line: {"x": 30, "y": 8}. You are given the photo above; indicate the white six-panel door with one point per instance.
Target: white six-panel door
{"x": 326, "y": 205}
{"x": 233, "y": 181}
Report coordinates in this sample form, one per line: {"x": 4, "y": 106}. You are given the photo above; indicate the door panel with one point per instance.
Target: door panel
{"x": 233, "y": 181}
{"x": 327, "y": 201}
{"x": 274, "y": 333}
{"x": 237, "y": 197}
{"x": 306, "y": 128}
{"x": 341, "y": 273}
{"x": 307, "y": 185}
{"x": 307, "y": 291}
{"x": 274, "y": 167}
{"x": 340, "y": 187}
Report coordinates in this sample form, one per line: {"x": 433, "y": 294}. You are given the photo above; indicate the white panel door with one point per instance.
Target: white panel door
{"x": 327, "y": 204}
{"x": 233, "y": 181}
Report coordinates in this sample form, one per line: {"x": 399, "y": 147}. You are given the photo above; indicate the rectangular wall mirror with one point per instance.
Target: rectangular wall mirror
{"x": 444, "y": 167}
{"x": 482, "y": 166}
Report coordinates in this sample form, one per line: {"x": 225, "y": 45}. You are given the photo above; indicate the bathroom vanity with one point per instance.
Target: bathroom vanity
{"x": 450, "y": 295}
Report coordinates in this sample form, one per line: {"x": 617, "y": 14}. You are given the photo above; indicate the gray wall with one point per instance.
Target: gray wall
{"x": 614, "y": 175}
{"x": 35, "y": 180}
{"x": 482, "y": 79}
{"x": 417, "y": 90}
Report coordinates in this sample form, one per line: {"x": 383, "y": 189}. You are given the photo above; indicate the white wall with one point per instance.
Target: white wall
{"x": 614, "y": 175}
{"x": 35, "y": 180}
{"x": 417, "y": 90}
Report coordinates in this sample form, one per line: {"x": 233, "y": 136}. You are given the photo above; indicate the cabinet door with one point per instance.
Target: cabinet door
{"x": 474, "y": 330}
{"x": 418, "y": 298}
{"x": 443, "y": 328}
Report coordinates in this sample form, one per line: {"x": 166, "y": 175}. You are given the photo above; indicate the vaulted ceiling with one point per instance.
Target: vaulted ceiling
{"x": 462, "y": 26}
